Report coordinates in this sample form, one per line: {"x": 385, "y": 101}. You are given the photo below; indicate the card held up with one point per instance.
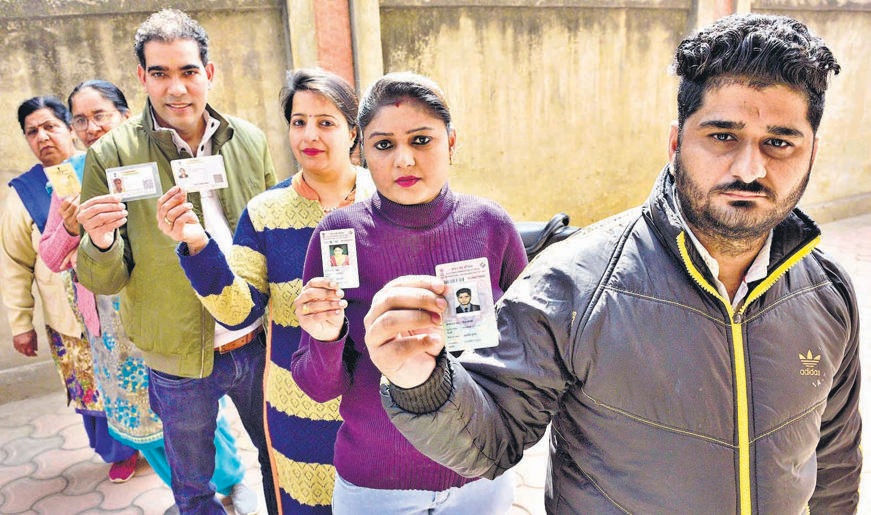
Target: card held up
{"x": 470, "y": 320}
{"x": 339, "y": 257}
{"x": 134, "y": 182}
{"x": 200, "y": 173}
{"x": 64, "y": 180}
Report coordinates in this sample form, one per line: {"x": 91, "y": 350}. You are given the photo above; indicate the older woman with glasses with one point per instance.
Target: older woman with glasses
{"x": 98, "y": 106}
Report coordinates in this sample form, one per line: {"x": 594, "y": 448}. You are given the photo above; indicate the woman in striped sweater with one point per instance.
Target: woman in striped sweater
{"x": 263, "y": 275}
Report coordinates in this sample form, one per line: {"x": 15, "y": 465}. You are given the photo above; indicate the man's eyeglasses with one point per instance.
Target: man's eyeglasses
{"x": 81, "y": 123}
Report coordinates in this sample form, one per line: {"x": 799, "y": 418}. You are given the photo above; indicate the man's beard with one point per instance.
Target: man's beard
{"x": 739, "y": 223}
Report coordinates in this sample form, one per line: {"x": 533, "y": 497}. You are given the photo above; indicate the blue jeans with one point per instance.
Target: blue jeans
{"x": 188, "y": 408}
{"x": 481, "y": 497}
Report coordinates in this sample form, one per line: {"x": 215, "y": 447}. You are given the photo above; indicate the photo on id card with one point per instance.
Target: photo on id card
{"x": 200, "y": 173}
{"x": 339, "y": 257}
{"x": 470, "y": 320}
{"x": 134, "y": 182}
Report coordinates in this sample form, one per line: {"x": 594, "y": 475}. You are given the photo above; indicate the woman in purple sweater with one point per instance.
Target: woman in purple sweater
{"x": 412, "y": 224}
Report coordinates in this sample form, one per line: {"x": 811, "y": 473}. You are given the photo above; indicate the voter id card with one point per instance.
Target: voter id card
{"x": 134, "y": 182}
{"x": 470, "y": 320}
{"x": 64, "y": 180}
{"x": 200, "y": 173}
{"x": 339, "y": 257}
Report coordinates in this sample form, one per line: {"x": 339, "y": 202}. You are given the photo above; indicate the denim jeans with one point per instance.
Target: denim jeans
{"x": 188, "y": 408}
{"x": 481, "y": 497}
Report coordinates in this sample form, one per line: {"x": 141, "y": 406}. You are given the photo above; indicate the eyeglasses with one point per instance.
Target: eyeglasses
{"x": 102, "y": 119}
{"x": 49, "y": 126}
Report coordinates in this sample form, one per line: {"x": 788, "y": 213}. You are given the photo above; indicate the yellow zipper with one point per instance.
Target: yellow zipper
{"x": 740, "y": 372}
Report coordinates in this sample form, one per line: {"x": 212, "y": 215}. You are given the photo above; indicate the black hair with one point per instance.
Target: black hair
{"x": 759, "y": 50}
{"x": 31, "y": 105}
{"x": 331, "y": 86}
{"x": 395, "y": 86}
{"x": 166, "y": 26}
{"x": 106, "y": 89}
{"x": 464, "y": 290}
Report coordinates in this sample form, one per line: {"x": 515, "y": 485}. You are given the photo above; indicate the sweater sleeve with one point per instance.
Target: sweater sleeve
{"x": 236, "y": 291}
{"x": 317, "y": 366}
{"x": 839, "y": 457}
{"x": 514, "y": 258}
{"x": 17, "y": 263}
{"x": 56, "y": 243}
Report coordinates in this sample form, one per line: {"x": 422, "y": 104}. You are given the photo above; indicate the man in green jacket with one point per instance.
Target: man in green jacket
{"x": 193, "y": 362}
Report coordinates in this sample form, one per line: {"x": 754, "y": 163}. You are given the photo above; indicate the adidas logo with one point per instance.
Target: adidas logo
{"x": 810, "y": 363}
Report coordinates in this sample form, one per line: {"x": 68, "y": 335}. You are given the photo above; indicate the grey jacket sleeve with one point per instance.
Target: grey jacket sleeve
{"x": 839, "y": 457}
{"x": 477, "y": 415}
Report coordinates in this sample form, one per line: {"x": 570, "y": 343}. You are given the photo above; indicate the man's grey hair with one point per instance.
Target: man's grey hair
{"x": 168, "y": 25}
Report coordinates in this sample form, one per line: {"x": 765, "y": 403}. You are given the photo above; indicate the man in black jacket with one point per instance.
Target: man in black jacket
{"x": 697, "y": 354}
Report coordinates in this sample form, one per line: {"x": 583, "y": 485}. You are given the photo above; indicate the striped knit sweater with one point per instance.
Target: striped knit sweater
{"x": 263, "y": 273}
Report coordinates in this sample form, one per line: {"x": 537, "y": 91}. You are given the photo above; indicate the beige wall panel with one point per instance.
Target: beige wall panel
{"x": 557, "y": 109}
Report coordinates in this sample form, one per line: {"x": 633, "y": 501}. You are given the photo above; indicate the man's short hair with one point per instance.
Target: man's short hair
{"x": 757, "y": 50}
{"x": 467, "y": 291}
{"x": 166, "y": 26}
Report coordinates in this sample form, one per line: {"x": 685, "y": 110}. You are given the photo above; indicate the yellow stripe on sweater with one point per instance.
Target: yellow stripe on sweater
{"x": 283, "y": 394}
{"x": 283, "y": 295}
{"x": 233, "y": 305}
{"x": 250, "y": 265}
{"x": 283, "y": 209}
{"x": 311, "y": 484}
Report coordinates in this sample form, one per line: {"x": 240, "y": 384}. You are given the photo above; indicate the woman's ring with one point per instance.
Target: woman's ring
{"x": 166, "y": 221}
{"x": 305, "y": 308}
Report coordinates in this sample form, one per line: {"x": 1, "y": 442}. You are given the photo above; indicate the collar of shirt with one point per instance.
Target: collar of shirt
{"x": 758, "y": 269}
{"x": 205, "y": 148}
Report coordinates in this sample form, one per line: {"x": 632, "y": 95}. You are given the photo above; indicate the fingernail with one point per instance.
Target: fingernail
{"x": 340, "y": 293}
{"x": 343, "y": 304}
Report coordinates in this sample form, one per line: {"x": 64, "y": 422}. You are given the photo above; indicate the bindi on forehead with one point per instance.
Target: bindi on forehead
{"x": 397, "y": 103}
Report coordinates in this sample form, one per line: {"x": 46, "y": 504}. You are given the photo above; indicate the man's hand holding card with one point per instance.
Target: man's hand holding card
{"x": 176, "y": 219}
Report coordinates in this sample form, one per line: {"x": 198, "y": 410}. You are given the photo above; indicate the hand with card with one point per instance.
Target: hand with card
{"x": 320, "y": 309}
{"x": 176, "y": 218}
{"x": 100, "y": 216}
{"x": 403, "y": 328}
{"x": 69, "y": 211}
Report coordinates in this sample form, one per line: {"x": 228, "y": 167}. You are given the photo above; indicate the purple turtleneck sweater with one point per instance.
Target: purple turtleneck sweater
{"x": 394, "y": 240}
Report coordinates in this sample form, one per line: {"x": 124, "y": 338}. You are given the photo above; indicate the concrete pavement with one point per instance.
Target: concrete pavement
{"x": 46, "y": 466}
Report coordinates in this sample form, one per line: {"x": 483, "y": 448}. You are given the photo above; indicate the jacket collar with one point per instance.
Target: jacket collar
{"x": 164, "y": 139}
{"x": 791, "y": 236}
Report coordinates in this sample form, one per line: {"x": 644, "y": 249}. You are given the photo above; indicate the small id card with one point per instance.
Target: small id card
{"x": 470, "y": 321}
{"x": 339, "y": 256}
{"x": 200, "y": 173}
{"x": 64, "y": 180}
{"x": 134, "y": 182}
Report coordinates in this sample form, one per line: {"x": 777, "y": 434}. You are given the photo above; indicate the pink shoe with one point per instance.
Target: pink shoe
{"x": 122, "y": 471}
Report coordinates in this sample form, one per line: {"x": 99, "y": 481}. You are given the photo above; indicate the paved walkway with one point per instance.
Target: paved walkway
{"x": 46, "y": 466}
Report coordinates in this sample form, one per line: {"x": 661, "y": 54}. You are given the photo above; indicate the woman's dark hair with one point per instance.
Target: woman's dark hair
{"x": 758, "y": 50}
{"x": 106, "y": 89}
{"x": 329, "y": 85}
{"x": 398, "y": 85}
{"x": 31, "y": 105}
